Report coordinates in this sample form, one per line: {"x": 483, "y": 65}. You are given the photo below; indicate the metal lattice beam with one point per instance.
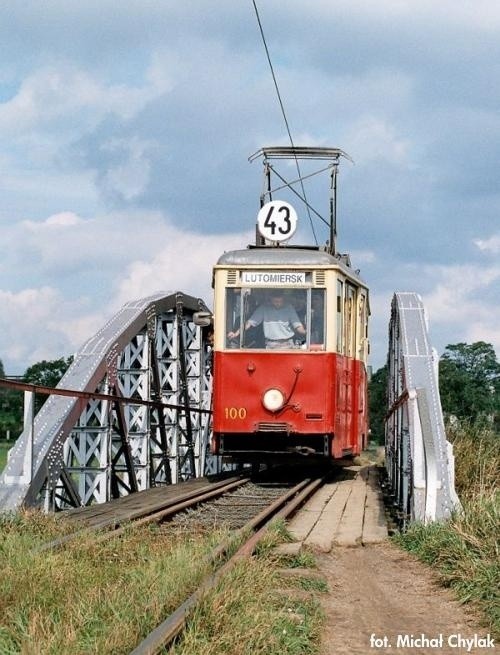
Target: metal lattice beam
{"x": 85, "y": 452}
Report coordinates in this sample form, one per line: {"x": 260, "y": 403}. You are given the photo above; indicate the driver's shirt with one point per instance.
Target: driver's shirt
{"x": 278, "y": 323}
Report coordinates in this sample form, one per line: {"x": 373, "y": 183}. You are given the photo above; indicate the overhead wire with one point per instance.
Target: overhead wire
{"x": 261, "y": 29}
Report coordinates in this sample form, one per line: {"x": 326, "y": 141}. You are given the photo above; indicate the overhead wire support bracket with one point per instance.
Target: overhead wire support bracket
{"x": 301, "y": 152}
{"x": 304, "y": 152}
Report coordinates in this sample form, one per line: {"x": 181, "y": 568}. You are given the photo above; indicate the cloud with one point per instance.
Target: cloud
{"x": 491, "y": 245}
{"x": 39, "y": 323}
{"x": 124, "y": 169}
{"x": 61, "y": 97}
{"x": 459, "y": 304}
{"x": 96, "y": 265}
{"x": 183, "y": 263}
{"x": 129, "y": 177}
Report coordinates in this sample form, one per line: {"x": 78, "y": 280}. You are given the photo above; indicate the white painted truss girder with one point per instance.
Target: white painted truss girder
{"x": 419, "y": 459}
{"x": 81, "y": 441}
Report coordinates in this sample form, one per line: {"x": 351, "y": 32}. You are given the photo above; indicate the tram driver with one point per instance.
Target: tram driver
{"x": 279, "y": 320}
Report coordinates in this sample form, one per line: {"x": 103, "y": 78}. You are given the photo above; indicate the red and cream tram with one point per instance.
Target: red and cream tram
{"x": 290, "y": 348}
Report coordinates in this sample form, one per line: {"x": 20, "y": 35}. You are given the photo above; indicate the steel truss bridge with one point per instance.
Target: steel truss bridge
{"x": 88, "y": 445}
{"x": 133, "y": 412}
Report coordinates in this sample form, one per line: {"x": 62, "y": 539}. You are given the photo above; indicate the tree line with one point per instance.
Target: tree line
{"x": 45, "y": 374}
{"x": 469, "y": 386}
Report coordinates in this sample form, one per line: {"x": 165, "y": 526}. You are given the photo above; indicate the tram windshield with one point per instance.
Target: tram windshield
{"x": 276, "y": 318}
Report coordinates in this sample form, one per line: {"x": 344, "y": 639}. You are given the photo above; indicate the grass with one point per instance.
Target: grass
{"x": 465, "y": 549}
{"x": 88, "y": 597}
{"x": 105, "y": 598}
{"x": 247, "y": 615}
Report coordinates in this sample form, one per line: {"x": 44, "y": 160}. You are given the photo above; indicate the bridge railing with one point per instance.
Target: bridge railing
{"x": 419, "y": 460}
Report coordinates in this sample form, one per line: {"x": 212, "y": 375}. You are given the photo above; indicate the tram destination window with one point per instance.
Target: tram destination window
{"x": 275, "y": 318}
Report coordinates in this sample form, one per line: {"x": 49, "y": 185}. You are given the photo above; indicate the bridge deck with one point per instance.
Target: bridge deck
{"x": 120, "y": 510}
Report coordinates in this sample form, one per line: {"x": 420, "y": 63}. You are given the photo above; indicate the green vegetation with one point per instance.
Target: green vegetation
{"x": 465, "y": 550}
{"x": 91, "y": 597}
{"x": 105, "y": 597}
{"x": 254, "y": 611}
{"x": 469, "y": 385}
{"x": 4, "y": 449}
{"x": 469, "y": 382}
{"x": 44, "y": 373}
{"x": 377, "y": 404}
{"x": 11, "y": 410}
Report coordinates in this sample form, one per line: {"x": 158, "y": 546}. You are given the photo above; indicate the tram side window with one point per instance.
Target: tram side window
{"x": 363, "y": 325}
{"x": 349, "y": 321}
{"x": 233, "y": 315}
{"x": 317, "y": 332}
{"x": 340, "y": 327}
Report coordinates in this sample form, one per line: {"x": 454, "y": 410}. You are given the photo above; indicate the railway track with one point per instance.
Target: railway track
{"x": 283, "y": 505}
{"x": 243, "y": 506}
{"x": 241, "y": 510}
{"x": 111, "y": 520}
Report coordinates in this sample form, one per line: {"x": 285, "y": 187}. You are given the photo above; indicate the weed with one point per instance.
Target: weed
{"x": 465, "y": 549}
{"x": 241, "y": 617}
{"x": 91, "y": 597}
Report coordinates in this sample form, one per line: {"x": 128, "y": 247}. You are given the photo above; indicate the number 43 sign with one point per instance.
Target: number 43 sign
{"x": 277, "y": 221}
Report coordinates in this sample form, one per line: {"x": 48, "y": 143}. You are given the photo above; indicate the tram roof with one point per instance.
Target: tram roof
{"x": 289, "y": 256}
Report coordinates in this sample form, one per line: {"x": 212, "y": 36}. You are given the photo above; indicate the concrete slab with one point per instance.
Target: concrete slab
{"x": 375, "y": 524}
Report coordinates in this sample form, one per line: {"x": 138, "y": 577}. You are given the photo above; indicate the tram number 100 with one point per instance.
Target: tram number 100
{"x": 235, "y": 413}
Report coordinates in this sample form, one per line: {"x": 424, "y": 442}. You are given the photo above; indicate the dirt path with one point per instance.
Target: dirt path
{"x": 380, "y": 596}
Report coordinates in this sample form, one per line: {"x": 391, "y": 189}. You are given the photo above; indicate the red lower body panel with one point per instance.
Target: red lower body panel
{"x": 323, "y": 411}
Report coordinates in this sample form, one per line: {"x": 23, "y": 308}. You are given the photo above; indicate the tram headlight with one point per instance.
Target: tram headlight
{"x": 273, "y": 399}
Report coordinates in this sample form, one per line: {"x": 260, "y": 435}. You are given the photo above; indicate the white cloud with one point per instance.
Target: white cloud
{"x": 67, "y": 241}
{"x": 130, "y": 177}
{"x": 491, "y": 245}
{"x": 55, "y": 98}
{"x": 362, "y": 257}
{"x": 63, "y": 219}
{"x": 375, "y": 139}
{"x": 458, "y": 303}
{"x": 33, "y": 325}
{"x": 183, "y": 263}
{"x": 48, "y": 322}
{"x": 482, "y": 15}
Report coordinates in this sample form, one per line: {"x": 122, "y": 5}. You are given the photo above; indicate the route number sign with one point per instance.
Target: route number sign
{"x": 277, "y": 221}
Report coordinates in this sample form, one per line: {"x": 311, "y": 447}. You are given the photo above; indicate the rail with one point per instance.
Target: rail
{"x": 283, "y": 507}
{"x": 153, "y": 512}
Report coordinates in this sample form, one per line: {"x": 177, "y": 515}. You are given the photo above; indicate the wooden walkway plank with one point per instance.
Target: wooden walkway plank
{"x": 322, "y": 534}
{"x": 302, "y": 523}
{"x": 350, "y": 529}
{"x": 375, "y": 524}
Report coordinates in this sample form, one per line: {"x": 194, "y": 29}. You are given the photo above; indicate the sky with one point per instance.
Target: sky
{"x": 126, "y": 128}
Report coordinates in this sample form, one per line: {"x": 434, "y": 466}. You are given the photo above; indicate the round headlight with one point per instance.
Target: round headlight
{"x": 273, "y": 399}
